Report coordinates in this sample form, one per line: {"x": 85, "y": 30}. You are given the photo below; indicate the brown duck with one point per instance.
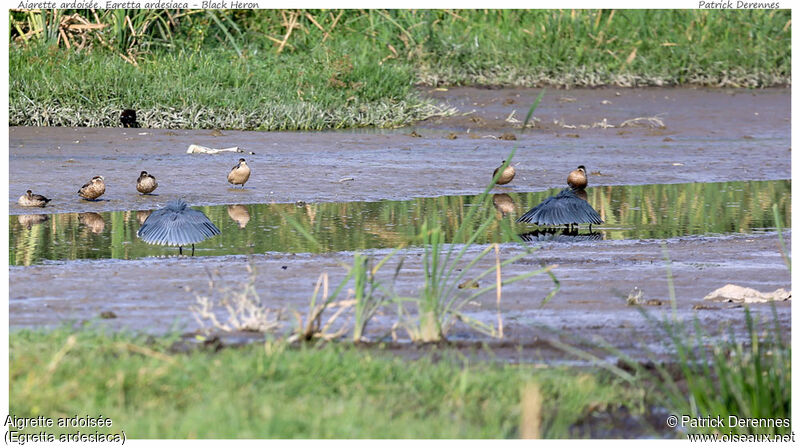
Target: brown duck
{"x": 146, "y": 183}
{"x": 507, "y": 176}
{"x": 239, "y": 174}
{"x": 32, "y": 200}
{"x": 93, "y": 189}
{"x": 577, "y": 178}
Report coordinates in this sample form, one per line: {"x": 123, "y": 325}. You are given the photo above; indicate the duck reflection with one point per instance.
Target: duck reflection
{"x": 142, "y": 215}
{"x": 240, "y": 214}
{"x": 94, "y": 221}
{"x": 503, "y": 203}
{"x": 31, "y": 220}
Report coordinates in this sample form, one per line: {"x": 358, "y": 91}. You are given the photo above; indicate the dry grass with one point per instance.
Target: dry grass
{"x": 644, "y": 122}
{"x": 312, "y": 327}
{"x": 241, "y": 303}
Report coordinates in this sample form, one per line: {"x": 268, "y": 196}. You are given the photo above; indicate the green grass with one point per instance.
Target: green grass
{"x": 725, "y": 375}
{"x": 210, "y": 89}
{"x": 362, "y": 69}
{"x": 747, "y": 378}
{"x": 265, "y": 391}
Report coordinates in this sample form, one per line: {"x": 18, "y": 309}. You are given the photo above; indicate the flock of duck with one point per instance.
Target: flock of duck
{"x": 145, "y": 184}
{"x": 178, "y": 225}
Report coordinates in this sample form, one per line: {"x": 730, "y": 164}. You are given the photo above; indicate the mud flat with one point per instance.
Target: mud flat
{"x": 707, "y": 136}
{"x": 595, "y": 279}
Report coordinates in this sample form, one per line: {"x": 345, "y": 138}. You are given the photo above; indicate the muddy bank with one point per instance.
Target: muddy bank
{"x": 703, "y": 114}
{"x": 594, "y": 281}
{"x": 709, "y": 135}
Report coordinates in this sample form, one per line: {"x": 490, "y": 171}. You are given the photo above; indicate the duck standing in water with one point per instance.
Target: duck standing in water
{"x": 568, "y": 207}
{"x": 93, "y": 189}
{"x": 177, "y": 225}
{"x": 32, "y": 200}
{"x": 239, "y": 174}
{"x": 146, "y": 183}
{"x": 577, "y": 179}
{"x": 507, "y": 176}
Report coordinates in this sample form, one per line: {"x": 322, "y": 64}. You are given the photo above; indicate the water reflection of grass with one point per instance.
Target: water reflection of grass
{"x": 649, "y": 211}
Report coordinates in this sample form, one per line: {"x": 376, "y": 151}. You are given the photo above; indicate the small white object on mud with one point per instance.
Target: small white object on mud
{"x": 197, "y": 149}
{"x": 739, "y": 294}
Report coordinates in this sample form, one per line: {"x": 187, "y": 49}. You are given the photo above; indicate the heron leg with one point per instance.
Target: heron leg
{"x": 180, "y": 250}
{"x": 193, "y": 250}
{"x": 590, "y": 227}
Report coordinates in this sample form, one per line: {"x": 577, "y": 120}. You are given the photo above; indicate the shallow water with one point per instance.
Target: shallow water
{"x": 630, "y": 212}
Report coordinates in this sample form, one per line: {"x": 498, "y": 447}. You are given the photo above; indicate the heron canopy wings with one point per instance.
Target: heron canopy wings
{"x": 176, "y": 225}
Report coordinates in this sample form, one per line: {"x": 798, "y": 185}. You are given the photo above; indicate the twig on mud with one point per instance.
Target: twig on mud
{"x": 313, "y": 328}
{"x": 651, "y": 122}
{"x": 242, "y": 305}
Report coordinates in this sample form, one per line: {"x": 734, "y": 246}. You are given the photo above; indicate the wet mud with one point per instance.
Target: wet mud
{"x": 706, "y": 136}
{"x": 709, "y": 136}
{"x": 595, "y": 281}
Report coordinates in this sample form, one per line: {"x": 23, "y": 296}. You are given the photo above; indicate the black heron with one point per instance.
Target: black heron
{"x": 565, "y": 208}
{"x": 128, "y": 119}
{"x": 177, "y": 225}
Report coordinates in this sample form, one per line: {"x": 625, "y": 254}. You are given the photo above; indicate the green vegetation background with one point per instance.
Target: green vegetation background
{"x": 322, "y": 69}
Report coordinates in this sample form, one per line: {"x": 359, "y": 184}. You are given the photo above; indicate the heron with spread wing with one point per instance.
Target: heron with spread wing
{"x": 177, "y": 225}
